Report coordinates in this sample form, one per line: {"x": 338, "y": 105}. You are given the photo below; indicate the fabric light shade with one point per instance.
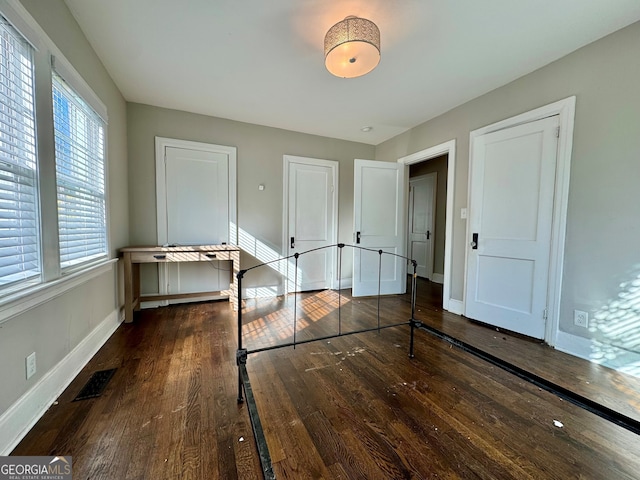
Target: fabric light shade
{"x": 352, "y": 47}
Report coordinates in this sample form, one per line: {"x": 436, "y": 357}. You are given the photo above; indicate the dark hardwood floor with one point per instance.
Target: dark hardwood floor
{"x": 603, "y": 385}
{"x": 349, "y": 407}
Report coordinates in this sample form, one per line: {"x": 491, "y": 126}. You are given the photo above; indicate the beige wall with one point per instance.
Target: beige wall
{"x": 603, "y": 227}
{"x": 55, "y": 328}
{"x": 260, "y": 161}
{"x": 436, "y": 165}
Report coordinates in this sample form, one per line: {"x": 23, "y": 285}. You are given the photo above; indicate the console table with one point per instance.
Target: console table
{"x": 134, "y": 256}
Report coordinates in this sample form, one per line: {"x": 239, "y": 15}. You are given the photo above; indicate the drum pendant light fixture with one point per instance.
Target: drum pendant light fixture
{"x": 352, "y": 47}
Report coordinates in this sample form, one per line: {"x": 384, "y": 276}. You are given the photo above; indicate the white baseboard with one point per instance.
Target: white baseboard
{"x": 344, "y": 283}
{"x": 163, "y": 303}
{"x": 263, "y": 292}
{"x": 573, "y": 345}
{"x": 20, "y": 417}
{"x": 153, "y": 304}
{"x": 598, "y": 352}
{"x": 276, "y": 290}
{"x": 437, "y": 278}
{"x": 455, "y": 306}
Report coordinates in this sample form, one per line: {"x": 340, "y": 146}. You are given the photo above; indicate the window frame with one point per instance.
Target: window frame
{"x": 53, "y": 280}
{"x": 21, "y": 202}
{"x": 103, "y": 196}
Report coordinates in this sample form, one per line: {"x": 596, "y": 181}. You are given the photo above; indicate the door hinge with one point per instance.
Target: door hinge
{"x": 545, "y": 314}
{"x": 557, "y": 132}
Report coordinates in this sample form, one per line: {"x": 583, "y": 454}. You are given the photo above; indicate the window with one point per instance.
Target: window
{"x": 80, "y": 177}
{"x": 19, "y": 212}
{"x": 53, "y": 127}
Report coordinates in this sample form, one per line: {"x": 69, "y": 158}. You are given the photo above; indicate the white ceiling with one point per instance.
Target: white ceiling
{"x": 261, "y": 61}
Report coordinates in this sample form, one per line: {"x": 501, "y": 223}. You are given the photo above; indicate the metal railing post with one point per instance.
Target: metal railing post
{"x": 240, "y": 354}
{"x": 412, "y": 320}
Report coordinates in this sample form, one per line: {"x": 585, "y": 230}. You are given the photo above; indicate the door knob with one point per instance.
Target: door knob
{"x": 474, "y": 241}
{"x": 293, "y": 242}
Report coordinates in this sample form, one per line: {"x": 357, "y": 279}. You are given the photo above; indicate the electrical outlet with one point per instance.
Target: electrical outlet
{"x": 581, "y": 318}
{"x": 31, "y": 365}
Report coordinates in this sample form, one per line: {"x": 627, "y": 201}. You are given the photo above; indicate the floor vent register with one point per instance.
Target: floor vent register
{"x": 95, "y": 385}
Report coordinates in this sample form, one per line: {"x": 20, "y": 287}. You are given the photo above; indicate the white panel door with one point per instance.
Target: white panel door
{"x": 197, "y": 212}
{"x": 422, "y": 199}
{"x": 311, "y": 222}
{"x": 510, "y": 223}
{"x": 378, "y": 221}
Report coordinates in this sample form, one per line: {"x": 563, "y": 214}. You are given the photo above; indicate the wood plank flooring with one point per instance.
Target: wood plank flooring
{"x": 603, "y": 385}
{"x": 350, "y": 407}
{"x": 169, "y": 412}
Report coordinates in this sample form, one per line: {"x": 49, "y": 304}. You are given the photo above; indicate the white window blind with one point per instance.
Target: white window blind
{"x": 19, "y": 213}
{"x": 80, "y": 177}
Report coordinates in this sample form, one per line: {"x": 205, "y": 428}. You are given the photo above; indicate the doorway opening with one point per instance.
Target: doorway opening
{"x": 440, "y": 159}
{"x": 427, "y": 215}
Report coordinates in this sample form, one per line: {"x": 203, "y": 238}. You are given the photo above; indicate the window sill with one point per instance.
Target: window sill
{"x": 19, "y": 302}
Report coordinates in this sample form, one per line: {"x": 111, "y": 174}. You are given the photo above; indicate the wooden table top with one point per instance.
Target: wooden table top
{"x": 180, "y": 248}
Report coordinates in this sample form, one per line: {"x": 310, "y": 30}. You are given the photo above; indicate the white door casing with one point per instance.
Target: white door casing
{"x": 447, "y": 148}
{"x": 422, "y": 199}
{"x": 310, "y": 200}
{"x": 511, "y": 199}
{"x": 195, "y": 197}
{"x": 378, "y": 225}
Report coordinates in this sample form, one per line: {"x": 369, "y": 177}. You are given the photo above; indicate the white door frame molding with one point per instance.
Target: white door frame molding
{"x": 448, "y": 148}
{"x": 161, "y": 214}
{"x": 565, "y": 109}
{"x": 162, "y": 143}
{"x": 334, "y": 166}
